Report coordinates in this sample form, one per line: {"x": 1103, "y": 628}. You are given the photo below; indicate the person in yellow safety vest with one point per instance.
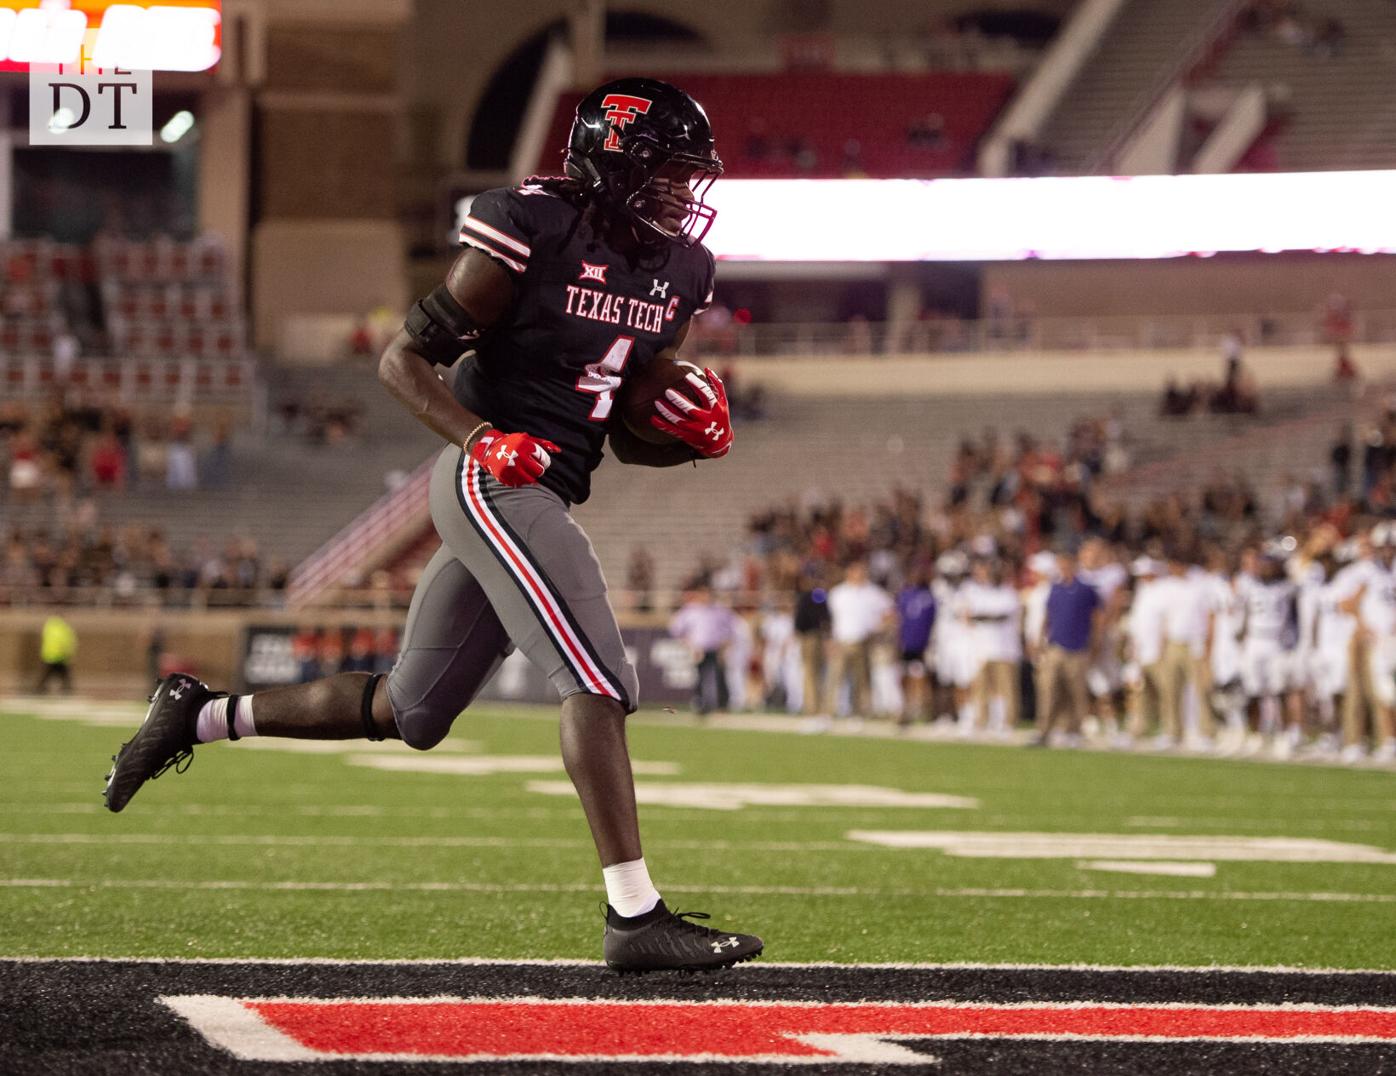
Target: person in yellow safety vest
{"x": 58, "y": 645}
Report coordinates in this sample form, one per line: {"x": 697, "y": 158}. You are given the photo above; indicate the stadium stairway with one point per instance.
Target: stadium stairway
{"x": 1342, "y": 111}
{"x": 1147, "y": 41}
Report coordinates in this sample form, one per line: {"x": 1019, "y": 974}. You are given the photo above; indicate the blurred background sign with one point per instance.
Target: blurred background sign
{"x": 173, "y": 35}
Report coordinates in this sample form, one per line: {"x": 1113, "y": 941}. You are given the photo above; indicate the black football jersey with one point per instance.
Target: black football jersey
{"x": 585, "y": 317}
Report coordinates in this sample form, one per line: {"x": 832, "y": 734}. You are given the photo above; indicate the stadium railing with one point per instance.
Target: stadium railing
{"x": 1193, "y": 55}
{"x": 1026, "y": 332}
{"x": 131, "y": 378}
{"x": 395, "y": 518}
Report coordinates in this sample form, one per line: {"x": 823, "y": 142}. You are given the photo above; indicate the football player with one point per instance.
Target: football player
{"x": 1269, "y": 644}
{"x": 566, "y": 287}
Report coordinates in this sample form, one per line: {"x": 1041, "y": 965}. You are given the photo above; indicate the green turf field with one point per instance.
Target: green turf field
{"x": 284, "y": 853}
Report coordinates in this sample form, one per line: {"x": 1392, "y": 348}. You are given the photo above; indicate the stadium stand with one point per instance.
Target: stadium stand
{"x": 143, "y": 320}
{"x": 166, "y": 299}
{"x": 830, "y": 124}
{"x": 38, "y": 276}
{"x": 1314, "y": 83}
{"x": 814, "y": 434}
{"x": 319, "y": 475}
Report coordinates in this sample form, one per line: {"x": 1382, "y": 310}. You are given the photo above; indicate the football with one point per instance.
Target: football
{"x": 639, "y": 393}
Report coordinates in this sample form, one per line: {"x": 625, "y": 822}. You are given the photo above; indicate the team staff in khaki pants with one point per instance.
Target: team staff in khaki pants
{"x": 1185, "y": 666}
{"x": 1374, "y": 604}
{"x": 858, "y": 611}
{"x": 1071, "y": 635}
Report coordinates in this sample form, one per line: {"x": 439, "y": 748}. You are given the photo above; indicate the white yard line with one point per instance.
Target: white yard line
{"x": 446, "y": 841}
{"x": 1163, "y": 867}
{"x": 970, "y": 892}
{"x": 995, "y": 844}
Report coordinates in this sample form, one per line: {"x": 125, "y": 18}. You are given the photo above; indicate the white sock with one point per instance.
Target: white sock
{"x": 629, "y": 889}
{"x": 213, "y": 720}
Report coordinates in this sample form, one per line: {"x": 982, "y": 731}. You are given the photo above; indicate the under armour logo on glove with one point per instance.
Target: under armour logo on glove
{"x": 706, "y": 426}
{"x": 514, "y": 459}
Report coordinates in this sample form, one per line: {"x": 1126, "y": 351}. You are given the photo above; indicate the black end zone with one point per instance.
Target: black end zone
{"x": 104, "y": 1017}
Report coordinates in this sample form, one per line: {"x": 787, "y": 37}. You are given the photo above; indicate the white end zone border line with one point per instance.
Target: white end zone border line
{"x": 745, "y": 969}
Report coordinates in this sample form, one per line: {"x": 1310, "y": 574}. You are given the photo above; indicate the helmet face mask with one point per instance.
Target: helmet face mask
{"x": 644, "y": 150}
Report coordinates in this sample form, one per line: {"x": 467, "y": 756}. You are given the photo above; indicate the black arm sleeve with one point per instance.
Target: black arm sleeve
{"x": 441, "y": 329}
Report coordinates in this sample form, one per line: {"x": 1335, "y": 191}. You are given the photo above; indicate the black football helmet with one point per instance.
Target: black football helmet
{"x": 644, "y": 149}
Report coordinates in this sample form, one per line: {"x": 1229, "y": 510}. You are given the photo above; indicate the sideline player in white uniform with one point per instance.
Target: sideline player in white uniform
{"x": 1309, "y": 576}
{"x": 994, "y": 614}
{"x": 1268, "y": 641}
{"x": 950, "y": 643}
{"x": 1332, "y": 640}
{"x": 1144, "y": 642}
{"x": 1224, "y": 645}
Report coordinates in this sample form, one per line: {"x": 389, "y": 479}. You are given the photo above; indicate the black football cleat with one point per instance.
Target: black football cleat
{"x": 661, "y": 940}
{"x": 165, "y": 739}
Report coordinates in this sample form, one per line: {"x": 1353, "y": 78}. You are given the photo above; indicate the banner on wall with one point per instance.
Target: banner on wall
{"x": 277, "y": 655}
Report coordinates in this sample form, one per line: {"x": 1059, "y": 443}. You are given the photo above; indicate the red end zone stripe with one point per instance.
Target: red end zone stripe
{"x": 723, "y": 1030}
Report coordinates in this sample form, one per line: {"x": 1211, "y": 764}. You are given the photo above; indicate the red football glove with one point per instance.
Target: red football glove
{"x": 705, "y": 427}
{"x": 515, "y": 459}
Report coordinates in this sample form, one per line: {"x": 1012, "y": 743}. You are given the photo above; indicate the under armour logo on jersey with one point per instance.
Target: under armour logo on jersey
{"x": 661, "y": 290}
{"x": 593, "y": 272}
{"x": 621, "y": 110}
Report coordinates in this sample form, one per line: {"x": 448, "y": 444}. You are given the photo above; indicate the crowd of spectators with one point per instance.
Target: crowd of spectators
{"x": 77, "y": 442}
{"x": 321, "y": 420}
{"x": 79, "y": 561}
{"x": 1010, "y": 533}
{"x": 56, "y": 460}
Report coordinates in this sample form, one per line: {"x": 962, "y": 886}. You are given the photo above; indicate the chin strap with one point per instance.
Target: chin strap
{"x": 366, "y": 709}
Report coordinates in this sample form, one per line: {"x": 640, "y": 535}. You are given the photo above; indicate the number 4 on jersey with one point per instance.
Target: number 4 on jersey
{"x": 603, "y": 378}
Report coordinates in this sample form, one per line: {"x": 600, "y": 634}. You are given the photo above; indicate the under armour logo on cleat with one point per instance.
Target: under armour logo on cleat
{"x": 727, "y": 943}
{"x": 177, "y": 692}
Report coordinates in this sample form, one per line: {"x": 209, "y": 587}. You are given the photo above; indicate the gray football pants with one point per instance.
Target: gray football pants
{"x": 514, "y": 570}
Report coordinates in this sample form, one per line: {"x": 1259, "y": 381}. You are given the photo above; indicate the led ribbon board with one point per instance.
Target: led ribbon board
{"x": 1093, "y": 217}
{"x": 170, "y": 35}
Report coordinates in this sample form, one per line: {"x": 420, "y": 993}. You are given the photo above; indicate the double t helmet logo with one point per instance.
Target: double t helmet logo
{"x": 621, "y": 109}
